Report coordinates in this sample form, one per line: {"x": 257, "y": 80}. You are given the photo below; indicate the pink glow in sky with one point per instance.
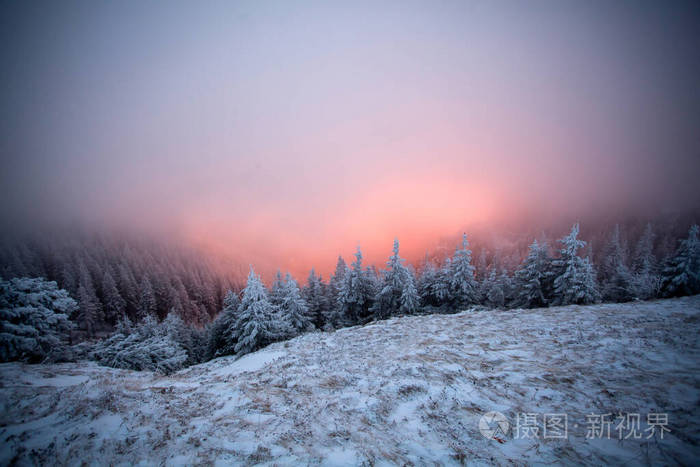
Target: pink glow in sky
{"x": 282, "y": 134}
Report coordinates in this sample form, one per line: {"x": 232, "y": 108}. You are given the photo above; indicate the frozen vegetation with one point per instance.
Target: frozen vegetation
{"x": 407, "y": 390}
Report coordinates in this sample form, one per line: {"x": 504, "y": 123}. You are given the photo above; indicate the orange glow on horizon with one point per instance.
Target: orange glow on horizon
{"x": 419, "y": 210}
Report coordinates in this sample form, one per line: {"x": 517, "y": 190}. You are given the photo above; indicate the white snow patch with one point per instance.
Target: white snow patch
{"x": 409, "y": 390}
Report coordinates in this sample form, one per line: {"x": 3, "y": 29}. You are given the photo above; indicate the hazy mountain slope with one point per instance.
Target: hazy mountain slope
{"x": 407, "y": 390}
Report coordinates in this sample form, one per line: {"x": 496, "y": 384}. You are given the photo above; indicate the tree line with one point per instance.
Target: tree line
{"x": 115, "y": 278}
{"x": 153, "y": 328}
{"x": 356, "y": 294}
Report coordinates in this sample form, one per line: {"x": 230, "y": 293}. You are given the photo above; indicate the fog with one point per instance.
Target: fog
{"x": 282, "y": 134}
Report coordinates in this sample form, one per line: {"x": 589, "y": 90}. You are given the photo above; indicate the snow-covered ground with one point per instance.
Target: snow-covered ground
{"x": 405, "y": 391}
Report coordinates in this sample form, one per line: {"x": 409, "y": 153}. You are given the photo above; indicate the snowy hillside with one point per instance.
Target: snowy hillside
{"x": 406, "y": 390}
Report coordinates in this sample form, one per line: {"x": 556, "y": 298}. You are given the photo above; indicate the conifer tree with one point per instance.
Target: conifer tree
{"x": 575, "y": 282}
{"x": 356, "y": 293}
{"x": 34, "y": 324}
{"x": 532, "y": 278}
{"x": 616, "y": 277}
{"x": 316, "y": 299}
{"x": 425, "y": 281}
{"x": 254, "y": 327}
{"x": 647, "y": 280}
{"x": 147, "y": 299}
{"x": 482, "y": 271}
{"x": 114, "y": 304}
{"x": 334, "y": 317}
{"x": 222, "y": 334}
{"x": 294, "y": 309}
{"x": 90, "y": 312}
{"x": 277, "y": 289}
{"x": 682, "y": 273}
{"x": 397, "y": 293}
{"x": 127, "y": 288}
{"x": 495, "y": 295}
{"x": 463, "y": 287}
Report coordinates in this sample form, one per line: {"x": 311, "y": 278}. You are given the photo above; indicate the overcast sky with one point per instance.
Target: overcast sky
{"x": 284, "y": 133}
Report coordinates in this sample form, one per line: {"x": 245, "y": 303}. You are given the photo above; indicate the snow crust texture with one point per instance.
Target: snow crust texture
{"x": 408, "y": 390}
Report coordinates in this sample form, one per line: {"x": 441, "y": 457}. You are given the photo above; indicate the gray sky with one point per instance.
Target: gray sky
{"x": 287, "y": 132}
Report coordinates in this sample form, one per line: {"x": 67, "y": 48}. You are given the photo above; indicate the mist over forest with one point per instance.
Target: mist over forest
{"x": 350, "y": 232}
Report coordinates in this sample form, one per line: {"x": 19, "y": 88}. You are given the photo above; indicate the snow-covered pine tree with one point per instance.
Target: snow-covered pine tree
{"x": 410, "y": 300}
{"x": 114, "y": 304}
{"x": 231, "y": 301}
{"x": 69, "y": 277}
{"x": 507, "y": 284}
{"x": 90, "y": 312}
{"x": 148, "y": 346}
{"x": 682, "y": 273}
{"x": 222, "y": 333}
{"x": 192, "y": 339}
{"x": 334, "y": 315}
{"x": 441, "y": 284}
{"x": 147, "y": 299}
{"x": 356, "y": 294}
{"x": 489, "y": 279}
{"x": 645, "y": 269}
{"x": 532, "y": 278}
{"x": 494, "y": 294}
{"x": 294, "y": 309}
{"x": 575, "y": 281}
{"x": 316, "y": 299}
{"x": 427, "y": 276}
{"x": 616, "y": 278}
{"x": 482, "y": 271}
{"x": 254, "y": 325}
{"x": 127, "y": 288}
{"x": 277, "y": 289}
{"x": 463, "y": 286}
{"x": 34, "y": 320}
{"x": 397, "y": 292}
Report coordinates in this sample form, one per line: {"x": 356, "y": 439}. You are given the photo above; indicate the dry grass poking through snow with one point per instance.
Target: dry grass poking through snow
{"x": 404, "y": 391}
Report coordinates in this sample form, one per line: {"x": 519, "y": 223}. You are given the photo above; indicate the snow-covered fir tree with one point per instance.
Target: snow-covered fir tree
{"x": 434, "y": 284}
{"x": 575, "y": 281}
{"x": 254, "y": 326}
{"x": 481, "y": 270}
{"x": 187, "y": 337}
{"x": 532, "y": 279}
{"x": 616, "y": 278}
{"x": 276, "y": 294}
{"x": 222, "y": 332}
{"x": 90, "y": 312}
{"x": 645, "y": 268}
{"x": 463, "y": 286}
{"x": 294, "y": 310}
{"x": 148, "y": 346}
{"x": 34, "y": 320}
{"x": 427, "y": 276}
{"x": 147, "y": 299}
{"x": 410, "y": 300}
{"x": 128, "y": 288}
{"x": 334, "y": 316}
{"x": 316, "y": 299}
{"x": 397, "y": 292}
{"x": 356, "y": 293}
{"x": 682, "y": 273}
{"x": 113, "y": 303}
{"x": 494, "y": 290}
